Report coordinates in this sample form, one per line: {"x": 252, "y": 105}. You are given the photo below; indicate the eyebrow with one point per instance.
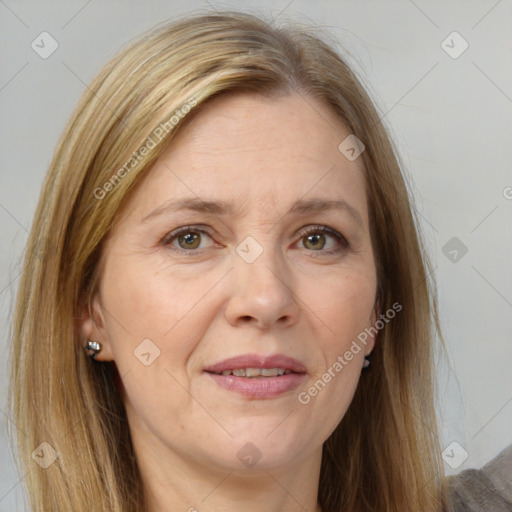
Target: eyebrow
{"x": 299, "y": 207}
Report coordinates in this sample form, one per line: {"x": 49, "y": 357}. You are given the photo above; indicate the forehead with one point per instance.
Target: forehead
{"x": 257, "y": 151}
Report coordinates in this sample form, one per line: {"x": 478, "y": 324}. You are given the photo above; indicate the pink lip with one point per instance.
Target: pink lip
{"x": 259, "y": 387}
{"x": 257, "y": 361}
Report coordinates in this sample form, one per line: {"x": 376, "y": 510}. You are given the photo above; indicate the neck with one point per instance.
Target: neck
{"x": 178, "y": 484}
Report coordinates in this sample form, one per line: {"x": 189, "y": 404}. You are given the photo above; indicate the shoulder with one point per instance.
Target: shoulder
{"x": 485, "y": 489}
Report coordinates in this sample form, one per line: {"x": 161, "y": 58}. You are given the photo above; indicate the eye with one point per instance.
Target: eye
{"x": 185, "y": 239}
{"x": 314, "y": 238}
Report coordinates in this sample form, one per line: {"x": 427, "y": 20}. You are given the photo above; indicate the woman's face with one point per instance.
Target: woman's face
{"x": 249, "y": 281}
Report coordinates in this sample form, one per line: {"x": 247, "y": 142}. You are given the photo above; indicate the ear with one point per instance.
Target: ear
{"x": 92, "y": 326}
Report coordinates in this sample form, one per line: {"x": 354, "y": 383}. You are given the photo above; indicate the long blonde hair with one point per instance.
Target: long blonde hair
{"x": 384, "y": 456}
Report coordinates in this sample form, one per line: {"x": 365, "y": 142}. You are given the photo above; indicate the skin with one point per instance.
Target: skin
{"x": 296, "y": 298}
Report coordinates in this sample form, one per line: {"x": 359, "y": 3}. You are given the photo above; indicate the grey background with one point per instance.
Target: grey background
{"x": 450, "y": 117}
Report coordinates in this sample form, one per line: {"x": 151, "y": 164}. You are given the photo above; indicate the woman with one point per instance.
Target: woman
{"x": 227, "y": 238}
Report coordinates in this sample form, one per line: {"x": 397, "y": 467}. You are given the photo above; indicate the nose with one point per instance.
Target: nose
{"x": 263, "y": 293}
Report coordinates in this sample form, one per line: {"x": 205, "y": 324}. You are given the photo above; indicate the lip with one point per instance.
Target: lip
{"x": 257, "y": 361}
{"x": 258, "y": 387}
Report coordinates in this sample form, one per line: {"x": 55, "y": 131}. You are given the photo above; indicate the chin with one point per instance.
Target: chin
{"x": 262, "y": 449}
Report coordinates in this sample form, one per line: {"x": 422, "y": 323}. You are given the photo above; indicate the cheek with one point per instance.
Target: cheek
{"x": 345, "y": 306}
{"x": 155, "y": 319}
{"x": 151, "y": 301}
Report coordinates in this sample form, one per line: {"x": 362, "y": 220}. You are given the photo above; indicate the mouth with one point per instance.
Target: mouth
{"x": 254, "y": 373}
{"x": 256, "y": 376}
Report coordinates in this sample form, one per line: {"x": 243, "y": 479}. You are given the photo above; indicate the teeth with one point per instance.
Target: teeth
{"x": 252, "y": 372}
{"x": 272, "y": 372}
{"x": 256, "y": 372}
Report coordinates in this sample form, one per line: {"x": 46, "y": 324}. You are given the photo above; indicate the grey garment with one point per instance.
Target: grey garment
{"x": 488, "y": 489}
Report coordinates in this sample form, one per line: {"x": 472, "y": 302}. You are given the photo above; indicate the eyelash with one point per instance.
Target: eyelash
{"x": 317, "y": 229}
